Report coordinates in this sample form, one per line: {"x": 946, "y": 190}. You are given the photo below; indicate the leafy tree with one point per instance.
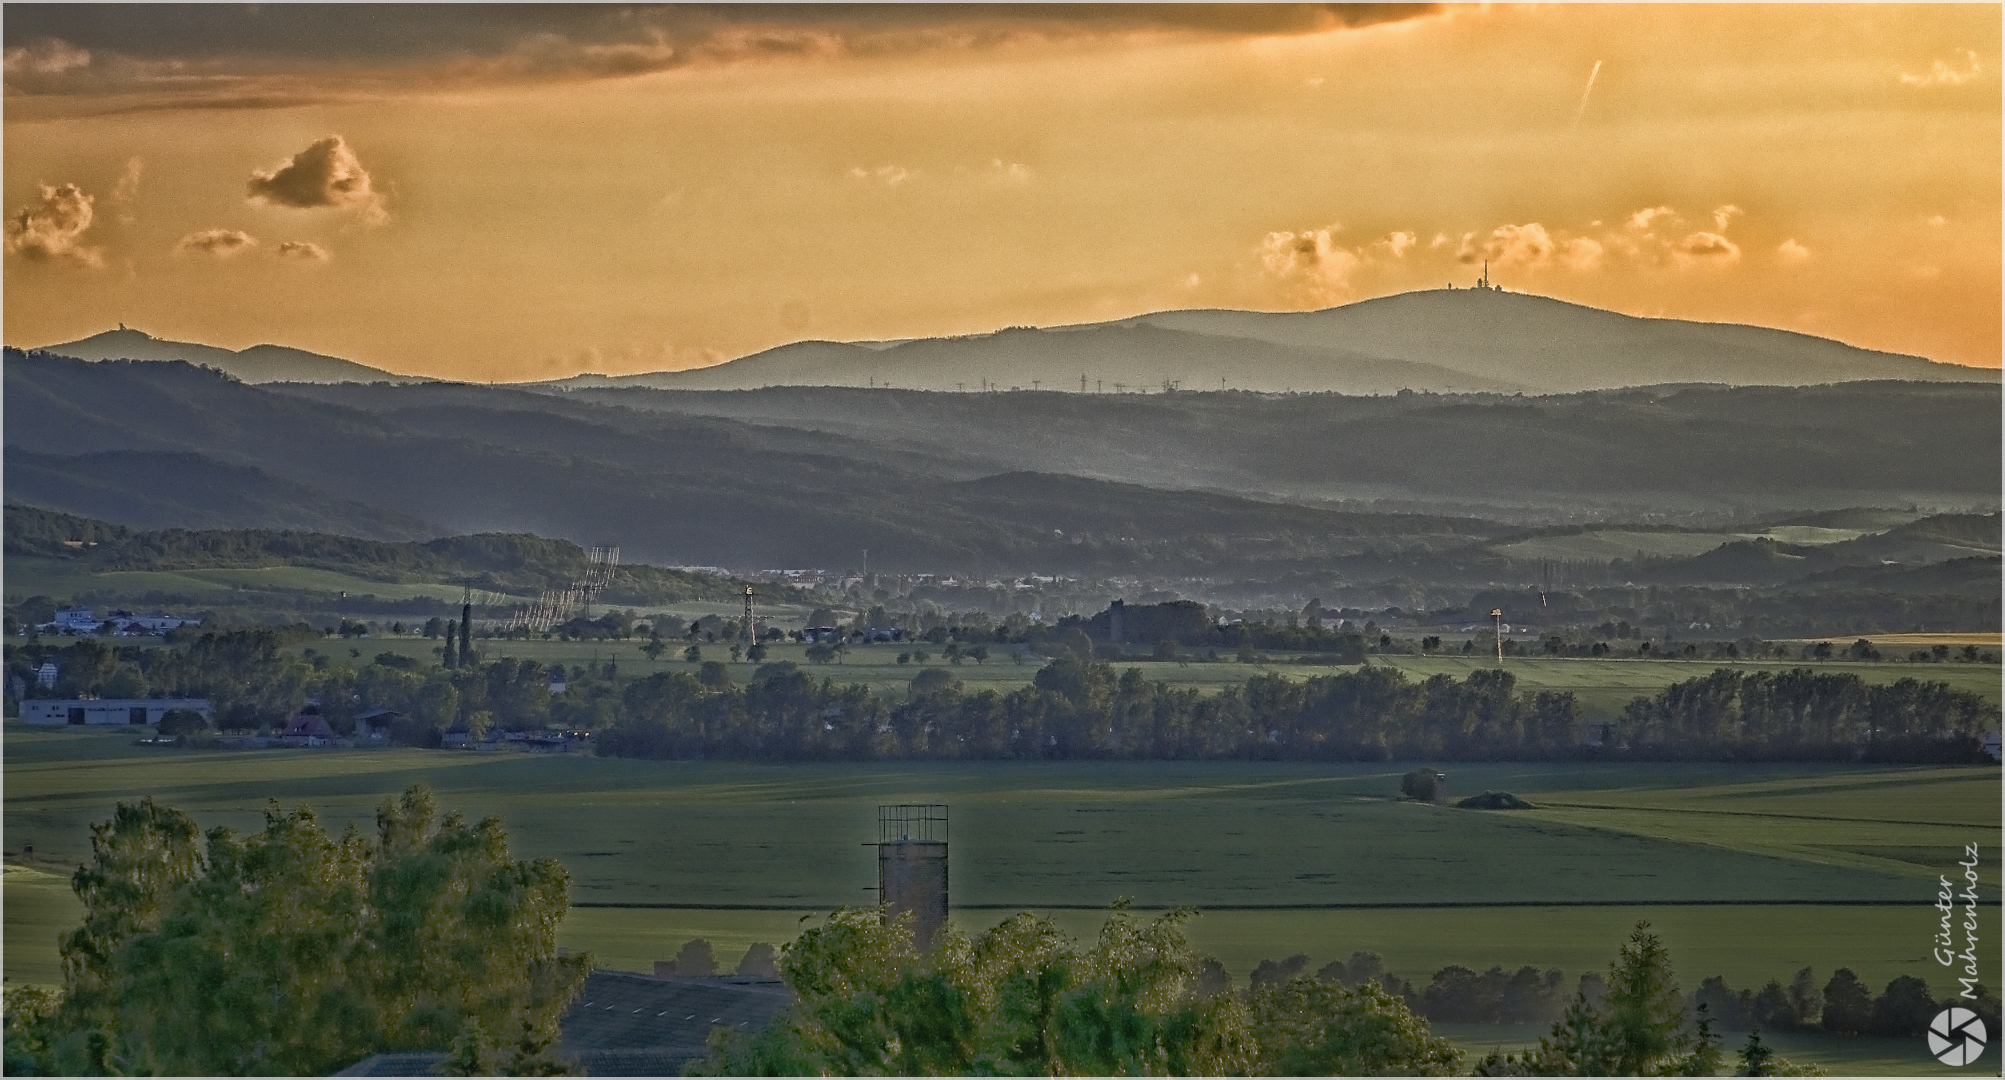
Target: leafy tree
{"x": 1423, "y": 785}
{"x": 713, "y": 675}
{"x": 290, "y": 951}
{"x": 1848, "y": 1005}
{"x": 654, "y": 647}
{"x": 1904, "y": 1008}
{"x": 1304, "y": 1027}
{"x": 696, "y": 958}
{"x": 693, "y": 654}
{"x": 760, "y": 961}
{"x": 1638, "y": 1029}
{"x": 1016, "y": 1000}
{"x": 175, "y": 723}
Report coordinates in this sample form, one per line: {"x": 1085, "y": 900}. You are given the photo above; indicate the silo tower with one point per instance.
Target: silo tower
{"x": 912, "y": 866}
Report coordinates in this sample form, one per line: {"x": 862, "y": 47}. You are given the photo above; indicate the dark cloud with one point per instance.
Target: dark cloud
{"x": 215, "y": 55}
{"x": 324, "y": 175}
{"x": 399, "y": 33}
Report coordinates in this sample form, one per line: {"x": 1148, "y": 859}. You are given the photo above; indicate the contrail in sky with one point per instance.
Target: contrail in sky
{"x": 1582, "y": 111}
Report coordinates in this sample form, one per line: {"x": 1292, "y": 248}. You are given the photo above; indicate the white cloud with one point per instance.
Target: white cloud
{"x": 1010, "y": 172}
{"x": 888, "y": 175}
{"x": 48, "y": 56}
{"x": 1646, "y": 219}
{"x": 1582, "y": 253}
{"x": 1935, "y": 221}
{"x": 1705, "y": 249}
{"x": 1312, "y": 262}
{"x": 1725, "y": 214}
{"x": 1396, "y": 244}
{"x": 1942, "y": 73}
{"x": 221, "y": 243}
{"x": 1789, "y": 251}
{"x": 126, "y": 191}
{"x": 52, "y": 231}
{"x": 1524, "y": 246}
{"x": 303, "y": 251}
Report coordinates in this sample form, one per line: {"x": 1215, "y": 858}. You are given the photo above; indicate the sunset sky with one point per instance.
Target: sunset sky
{"x": 532, "y": 192}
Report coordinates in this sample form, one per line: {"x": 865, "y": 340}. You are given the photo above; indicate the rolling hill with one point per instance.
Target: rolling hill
{"x": 257, "y": 364}
{"x": 1442, "y": 341}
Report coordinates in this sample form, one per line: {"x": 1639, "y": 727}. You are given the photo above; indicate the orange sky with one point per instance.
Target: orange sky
{"x": 515, "y": 194}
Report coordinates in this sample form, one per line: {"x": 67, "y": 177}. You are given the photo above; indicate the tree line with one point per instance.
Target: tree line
{"x": 1843, "y": 1005}
{"x": 1072, "y": 709}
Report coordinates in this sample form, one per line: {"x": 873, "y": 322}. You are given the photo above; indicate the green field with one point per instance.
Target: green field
{"x": 1214, "y": 834}
{"x": 1709, "y": 854}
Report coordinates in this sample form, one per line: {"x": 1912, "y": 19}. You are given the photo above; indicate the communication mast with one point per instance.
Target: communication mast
{"x": 751, "y": 635}
{"x": 1498, "y": 615}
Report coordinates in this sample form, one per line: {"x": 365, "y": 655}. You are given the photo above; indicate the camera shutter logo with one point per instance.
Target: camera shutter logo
{"x": 1956, "y": 1036}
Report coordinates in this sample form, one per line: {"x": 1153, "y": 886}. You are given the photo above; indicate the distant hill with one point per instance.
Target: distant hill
{"x": 516, "y": 562}
{"x": 163, "y": 489}
{"x": 669, "y": 489}
{"x": 1443, "y": 341}
{"x": 257, "y": 364}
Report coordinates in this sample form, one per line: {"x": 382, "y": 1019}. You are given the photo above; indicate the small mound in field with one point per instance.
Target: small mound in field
{"x": 1494, "y": 800}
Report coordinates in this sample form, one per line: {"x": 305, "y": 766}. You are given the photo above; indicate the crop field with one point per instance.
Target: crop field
{"x": 1716, "y": 853}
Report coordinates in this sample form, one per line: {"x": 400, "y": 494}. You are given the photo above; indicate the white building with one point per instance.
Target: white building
{"x": 74, "y": 621}
{"x": 51, "y": 712}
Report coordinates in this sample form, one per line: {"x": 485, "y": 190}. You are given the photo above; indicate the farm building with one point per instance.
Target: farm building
{"x": 308, "y": 729}
{"x": 94, "y": 711}
{"x": 629, "y": 1024}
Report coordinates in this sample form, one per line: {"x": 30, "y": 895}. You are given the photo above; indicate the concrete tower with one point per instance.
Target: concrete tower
{"x": 912, "y": 866}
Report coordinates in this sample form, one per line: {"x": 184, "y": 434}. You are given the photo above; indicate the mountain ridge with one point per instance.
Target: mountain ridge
{"x": 1437, "y": 340}
{"x": 256, "y": 364}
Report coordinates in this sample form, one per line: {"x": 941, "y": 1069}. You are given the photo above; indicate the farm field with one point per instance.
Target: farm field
{"x": 1634, "y": 840}
{"x": 1981, "y": 639}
